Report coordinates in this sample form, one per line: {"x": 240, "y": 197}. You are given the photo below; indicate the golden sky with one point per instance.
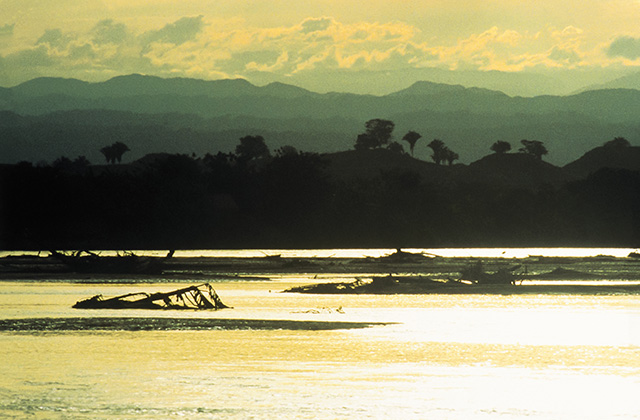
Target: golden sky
{"x": 266, "y": 40}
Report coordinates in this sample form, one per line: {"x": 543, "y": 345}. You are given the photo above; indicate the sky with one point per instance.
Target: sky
{"x": 366, "y": 47}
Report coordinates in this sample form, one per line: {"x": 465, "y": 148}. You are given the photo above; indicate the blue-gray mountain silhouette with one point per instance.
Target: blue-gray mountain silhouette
{"x": 188, "y": 115}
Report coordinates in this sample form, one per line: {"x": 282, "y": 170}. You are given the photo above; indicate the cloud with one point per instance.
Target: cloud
{"x": 512, "y": 51}
{"x": 213, "y": 48}
{"x": 109, "y": 32}
{"x": 29, "y": 58}
{"x": 484, "y": 51}
{"x": 82, "y": 52}
{"x": 177, "y": 33}
{"x": 252, "y": 60}
{"x": 314, "y": 43}
{"x": 315, "y": 24}
{"x": 55, "y": 38}
{"x": 566, "y": 56}
{"x": 625, "y": 47}
{"x": 7, "y": 30}
{"x": 570, "y": 33}
{"x": 280, "y": 62}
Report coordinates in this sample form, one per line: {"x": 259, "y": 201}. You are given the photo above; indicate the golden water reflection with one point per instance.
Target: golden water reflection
{"x": 446, "y": 357}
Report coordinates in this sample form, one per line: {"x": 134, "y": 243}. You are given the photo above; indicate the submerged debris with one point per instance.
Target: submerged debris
{"x": 199, "y": 297}
{"x": 400, "y": 256}
{"x": 380, "y": 284}
{"x": 84, "y": 261}
{"x": 322, "y": 310}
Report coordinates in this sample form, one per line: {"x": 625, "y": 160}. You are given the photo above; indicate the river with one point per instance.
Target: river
{"x": 435, "y": 357}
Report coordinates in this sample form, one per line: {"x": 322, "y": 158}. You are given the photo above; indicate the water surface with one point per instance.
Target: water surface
{"x": 439, "y": 357}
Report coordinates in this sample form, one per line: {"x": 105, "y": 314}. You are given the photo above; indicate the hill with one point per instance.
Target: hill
{"x": 615, "y": 154}
{"x": 367, "y": 164}
{"x": 513, "y": 169}
{"x": 49, "y": 117}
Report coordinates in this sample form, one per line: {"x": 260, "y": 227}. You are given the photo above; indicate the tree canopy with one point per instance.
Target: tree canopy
{"x": 438, "y": 147}
{"x": 534, "y": 148}
{"x": 252, "y": 147}
{"x": 500, "y": 147}
{"x": 441, "y": 153}
{"x": 286, "y": 151}
{"x": 395, "y": 147}
{"x": 114, "y": 152}
{"x": 377, "y": 134}
{"x": 449, "y": 155}
{"x": 411, "y": 137}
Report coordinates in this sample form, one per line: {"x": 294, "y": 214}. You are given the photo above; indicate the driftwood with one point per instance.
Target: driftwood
{"x": 382, "y": 285}
{"x": 200, "y": 297}
{"x": 400, "y": 256}
{"x": 127, "y": 263}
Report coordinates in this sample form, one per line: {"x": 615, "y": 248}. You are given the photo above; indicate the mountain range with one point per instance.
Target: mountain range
{"x": 46, "y": 118}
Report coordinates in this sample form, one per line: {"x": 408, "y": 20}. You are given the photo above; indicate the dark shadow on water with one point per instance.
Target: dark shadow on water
{"x": 172, "y": 324}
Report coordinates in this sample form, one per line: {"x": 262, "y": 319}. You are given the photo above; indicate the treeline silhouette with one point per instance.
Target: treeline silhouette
{"x": 293, "y": 199}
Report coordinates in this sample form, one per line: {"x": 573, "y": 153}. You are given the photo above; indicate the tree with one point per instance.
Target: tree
{"x": 63, "y": 163}
{"x": 500, "y": 147}
{"x": 119, "y": 149}
{"x": 395, "y": 147}
{"x": 252, "y": 147}
{"x": 114, "y": 152}
{"x": 534, "y": 148}
{"x": 380, "y": 130}
{"x": 107, "y": 151}
{"x": 82, "y": 161}
{"x": 411, "y": 137}
{"x": 438, "y": 148}
{"x": 286, "y": 151}
{"x": 377, "y": 134}
{"x": 449, "y": 155}
{"x": 364, "y": 142}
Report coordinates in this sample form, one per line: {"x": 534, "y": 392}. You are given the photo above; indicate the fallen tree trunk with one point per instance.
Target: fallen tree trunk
{"x": 200, "y": 297}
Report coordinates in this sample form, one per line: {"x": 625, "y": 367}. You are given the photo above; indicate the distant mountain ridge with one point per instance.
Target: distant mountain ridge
{"x": 468, "y": 120}
{"x": 630, "y": 81}
{"x": 138, "y": 85}
{"x": 419, "y": 96}
{"x": 431, "y": 88}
